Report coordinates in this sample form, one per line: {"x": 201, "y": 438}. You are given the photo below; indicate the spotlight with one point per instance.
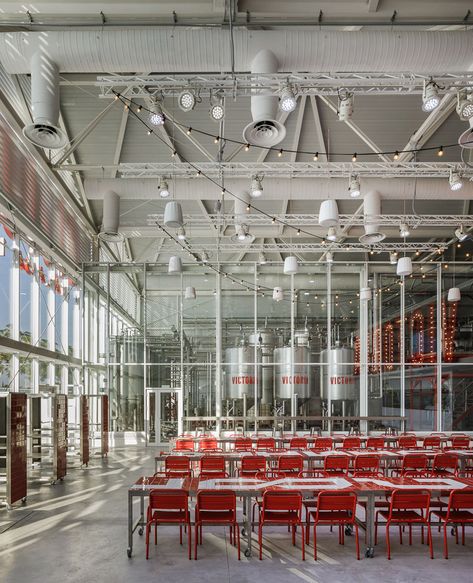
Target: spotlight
{"x": 156, "y": 115}
{"x": 205, "y": 257}
{"x": 256, "y": 187}
{"x": 287, "y": 101}
{"x": 455, "y": 180}
{"x": 354, "y": 187}
{"x": 181, "y": 234}
{"x": 332, "y": 234}
{"x": 430, "y": 96}
{"x": 460, "y": 233}
{"x": 262, "y": 258}
{"x": 404, "y": 230}
{"x": 163, "y": 188}
{"x": 187, "y": 100}
{"x": 242, "y": 232}
{"x": 393, "y": 258}
{"x": 345, "y": 106}
{"x": 465, "y": 105}
{"x": 217, "y": 111}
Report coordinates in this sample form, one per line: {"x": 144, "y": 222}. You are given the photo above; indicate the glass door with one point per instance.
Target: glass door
{"x": 163, "y": 415}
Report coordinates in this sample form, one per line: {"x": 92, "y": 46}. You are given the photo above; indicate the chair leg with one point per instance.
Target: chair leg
{"x": 315, "y": 541}
{"x": 155, "y": 533}
{"x": 307, "y": 527}
{"x": 237, "y": 529}
{"x": 260, "y": 540}
{"x": 463, "y": 534}
{"x": 293, "y": 529}
{"x": 410, "y": 534}
{"x": 429, "y": 538}
{"x": 180, "y": 534}
{"x": 147, "y": 541}
{"x": 303, "y": 541}
{"x": 388, "y": 543}
{"x": 189, "y": 539}
{"x": 445, "y": 543}
{"x": 200, "y": 534}
{"x": 357, "y": 541}
{"x": 231, "y": 534}
{"x": 196, "y": 540}
{"x": 400, "y": 534}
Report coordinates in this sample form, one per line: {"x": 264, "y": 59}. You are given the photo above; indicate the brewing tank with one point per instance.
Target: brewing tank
{"x": 336, "y": 374}
{"x": 266, "y": 339}
{"x": 288, "y": 375}
{"x": 240, "y": 373}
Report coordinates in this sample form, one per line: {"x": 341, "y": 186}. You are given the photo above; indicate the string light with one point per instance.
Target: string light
{"x": 396, "y": 155}
{"x": 280, "y": 153}
{"x": 440, "y": 151}
{"x": 316, "y": 157}
{"x": 247, "y": 147}
{"x": 189, "y": 131}
{"x": 298, "y": 232}
{"x": 354, "y": 157}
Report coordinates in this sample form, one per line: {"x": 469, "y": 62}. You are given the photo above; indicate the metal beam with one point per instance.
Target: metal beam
{"x": 373, "y": 5}
{"x": 190, "y": 137}
{"x": 318, "y": 128}
{"x": 120, "y": 138}
{"x": 281, "y": 118}
{"x": 297, "y": 130}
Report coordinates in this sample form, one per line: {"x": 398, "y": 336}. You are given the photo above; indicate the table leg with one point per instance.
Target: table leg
{"x": 155, "y": 465}
{"x": 142, "y": 514}
{"x": 130, "y": 525}
{"x": 248, "y": 525}
{"x": 370, "y": 518}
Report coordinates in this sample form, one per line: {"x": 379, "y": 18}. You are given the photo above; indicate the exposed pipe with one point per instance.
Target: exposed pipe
{"x": 111, "y": 217}
{"x": 372, "y": 212}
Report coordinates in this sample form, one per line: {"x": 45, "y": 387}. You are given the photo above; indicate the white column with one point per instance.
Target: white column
{"x": 15, "y": 312}
{"x": 51, "y": 302}
{"x": 35, "y": 322}
{"x": 440, "y": 333}
{"x": 363, "y": 351}
{"x": 218, "y": 352}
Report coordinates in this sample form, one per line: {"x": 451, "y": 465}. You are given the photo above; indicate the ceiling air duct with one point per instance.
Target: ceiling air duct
{"x": 111, "y": 218}
{"x": 264, "y": 130}
{"x": 44, "y": 131}
{"x": 372, "y": 212}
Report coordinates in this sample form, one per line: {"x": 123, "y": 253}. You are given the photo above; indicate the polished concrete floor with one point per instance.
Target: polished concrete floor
{"x": 76, "y": 531}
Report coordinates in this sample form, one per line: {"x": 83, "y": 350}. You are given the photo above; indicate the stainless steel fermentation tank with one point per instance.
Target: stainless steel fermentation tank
{"x": 292, "y": 372}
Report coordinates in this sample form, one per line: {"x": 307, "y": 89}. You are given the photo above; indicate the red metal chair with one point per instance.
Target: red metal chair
{"x": 322, "y": 444}
{"x": 266, "y": 443}
{"x": 407, "y": 442}
{"x": 209, "y": 444}
{"x": 281, "y": 507}
{"x": 459, "y": 512}
{"x": 298, "y": 443}
{"x": 336, "y": 465}
{"x": 444, "y": 465}
{"x": 290, "y": 465}
{"x": 375, "y": 443}
{"x": 407, "y": 507}
{"x": 212, "y": 466}
{"x": 432, "y": 442}
{"x": 336, "y": 508}
{"x": 243, "y": 444}
{"x": 178, "y": 466}
{"x": 366, "y": 466}
{"x": 251, "y": 465}
{"x": 168, "y": 507}
{"x": 216, "y": 508}
{"x": 414, "y": 465}
{"x": 184, "y": 445}
{"x": 351, "y": 443}
{"x": 460, "y": 441}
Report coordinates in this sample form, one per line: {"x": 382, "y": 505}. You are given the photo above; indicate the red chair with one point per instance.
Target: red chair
{"x": 366, "y": 466}
{"x": 375, "y": 443}
{"x": 177, "y": 466}
{"x": 251, "y": 465}
{"x": 268, "y": 475}
{"x": 298, "y": 443}
{"x": 212, "y": 466}
{"x": 460, "y": 505}
{"x": 290, "y": 465}
{"x": 407, "y": 442}
{"x": 243, "y": 444}
{"x": 216, "y": 508}
{"x": 336, "y": 465}
{"x": 407, "y": 507}
{"x": 184, "y": 445}
{"x": 351, "y": 443}
{"x": 322, "y": 444}
{"x": 281, "y": 507}
{"x": 444, "y": 465}
{"x": 336, "y": 508}
{"x": 266, "y": 443}
{"x": 208, "y": 444}
{"x": 432, "y": 442}
{"x": 168, "y": 507}
{"x": 460, "y": 441}
{"x": 414, "y": 465}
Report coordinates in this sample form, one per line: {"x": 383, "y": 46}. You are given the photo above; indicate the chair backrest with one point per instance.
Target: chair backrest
{"x": 298, "y": 443}
{"x": 414, "y": 463}
{"x": 323, "y": 443}
{"x": 410, "y": 500}
{"x": 184, "y": 444}
{"x": 431, "y": 441}
{"x": 461, "y": 499}
{"x": 282, "y": 500}
{"x": 208, "y": 443}
{"x": 253, "y": 463}
{"x": 366, "y": 465}
{"x": 290, "y": 463}
{"x": 177, "y": 463}
{"x": 328, "y": 500}
{"x": 243, "y": 444}
{"x": 212, "y": 463}
{"x": 168, "y": 499}
{"x": 270, "y": 475}
{"x": 407, "y": 441}
{"x": 460, "y": 441}
{"x": 265, "y": 443}
{"x": 444, "y": 461}
{"x": 336, "y": 463}
{"x": 375, "y": 442}
{"x": 351, "y": 443}
{"x": 218, "y": 500}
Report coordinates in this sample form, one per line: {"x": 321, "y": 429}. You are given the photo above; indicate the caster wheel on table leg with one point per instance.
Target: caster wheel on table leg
{"x": 23, "y": 500}
{"x": 141, "y": 531}
{"x": 453, "y": 531}
{"x": 128, "y": 552}
{"x": 348, "y": 530}
{"x": 243, "y": 532}
{"x": 369, "y": 553}
{"x": 247, "y": 553}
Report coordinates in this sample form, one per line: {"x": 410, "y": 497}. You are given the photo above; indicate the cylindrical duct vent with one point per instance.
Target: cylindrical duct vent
{"x": 43, "y": 132}
{"x": 372, "y": 212}
{"x": 290, "y": 265}
{"x": 264, "y": 130}
{"x": 111, "y": 217}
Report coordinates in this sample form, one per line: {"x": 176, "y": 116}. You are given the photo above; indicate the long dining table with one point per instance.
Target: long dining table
{"x": 251, "y": 488}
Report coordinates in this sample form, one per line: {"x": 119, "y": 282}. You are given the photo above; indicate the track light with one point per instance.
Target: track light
{"x": 156, "y": 115}
{"x": 404, "y": 230}
{"x": 204, "y": 257}
{"x": 455, "y": 180}
{"x": 181, "y": 234}
{"x": 430, "y": 96}
{"x": 256, "y": 187}
{"x": 242, "y": 232}
{"x": 217, "y": 111}
{"x": 460, "y": 233}
{"x": 393, "y": 258}
{"x": 163, "y": 188}
{"x": 262, "y": 258}
{"x": 187, "y": 100}
{"x": 354, "y": 187}
{"x": 465, "y": 105}
{"x": 332, "y": 234}
{"x": 345, "y": 106}
{"x": 287, "y": 101}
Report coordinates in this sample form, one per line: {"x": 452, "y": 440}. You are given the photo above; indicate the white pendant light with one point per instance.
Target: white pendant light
{"x": 189, "y": 293}
{"x": 173, "y": 215}
{"x": 175, "y": 265}
{"x": 404, "y": 266}
{"x": 365, "y": 294}
{"x": 454, "y": 294}
{"x": 290, "y": 265}
{"x": 328, "y": 213}
{"x": 278, "y": 294}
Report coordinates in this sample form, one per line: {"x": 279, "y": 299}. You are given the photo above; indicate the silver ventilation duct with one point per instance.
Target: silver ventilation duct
{"x": 111, "y": 218}
{"x": 44, "y": 131}
{"x": 372, "y": 212}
